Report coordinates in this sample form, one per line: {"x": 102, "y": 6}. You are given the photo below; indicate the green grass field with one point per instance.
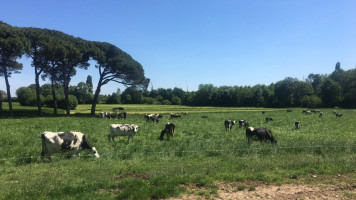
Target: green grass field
{"x": 201, "y": 152}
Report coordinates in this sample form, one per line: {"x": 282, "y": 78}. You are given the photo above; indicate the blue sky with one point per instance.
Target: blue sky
{"x": 184, "y": 43}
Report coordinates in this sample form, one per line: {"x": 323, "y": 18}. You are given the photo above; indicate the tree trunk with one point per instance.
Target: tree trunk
{"x": 96, "y": 96}
{"x": 55, "y": 112}
{"x": 66, "y": 94}
{"x": 8, "y": 91}
{"x": 38, "y": 93}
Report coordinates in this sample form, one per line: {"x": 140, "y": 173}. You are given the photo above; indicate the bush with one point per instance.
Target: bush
{"x": 27, "y": 96}
{"x": 73, "y": 102}
{"x": 166, "y": 102}
{"x": 311, "y": 101}
{"x": 176, "y": 100}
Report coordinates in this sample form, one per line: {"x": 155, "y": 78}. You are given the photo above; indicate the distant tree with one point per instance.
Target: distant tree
{"x": 89, "y": 83}
{"x": 302, "y": 89}
{"x": 330, "y": 93}
{"x": 131, "y": 95}
{"x": 338, "y": 74}
{"x": 349, "y": 89}
{"x": 178, "y": 92}
{"x": 55, "y": 53}
{"x": 316, "y": 80}
{"x": 176, "y": 100}
{"x": 204, "y": 94}
{"x": 82, "y": 92}
{"x": 285, "y": 92}
{"x": 257, "y": 98}
{"x": 114, "y": 98}
{"x": 12, "y": 46}
{"x": 76, "y": 57}
{"x": 312, "y": 101}
{"x": 38, "y": 39}
{"x": 115, "y": 65}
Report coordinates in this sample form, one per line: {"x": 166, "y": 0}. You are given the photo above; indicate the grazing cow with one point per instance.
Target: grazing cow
{"x": 103, "y": 114}
{"x": 174, "y": 115}
{"x": 321, "y": 114}
{"x": 186, "y": 114}
{"x": 334, "y": 112}
{"x": 123, "y": 130}
{"x": 243, "y": 123}
{"x": 338, "y": 115}
{"x": 308, "y": 112}
{"x": 110, "y": 115}
{"x": 268, "y": 119}
{"x": 261, "y": 134}
{"x": 107, "y": 115}
{"x": 153, "y": 117}
{"x": 289, "y": 110}
{"x": 229, "y": 124}
{"x": 56, "y": 142}
{"x": 169, "y": 130}
{"x": 297, "y": 125}
{"x": 246, "y": 124}
{"x": 263, "y": 112}
{"x": 122, "y": 115}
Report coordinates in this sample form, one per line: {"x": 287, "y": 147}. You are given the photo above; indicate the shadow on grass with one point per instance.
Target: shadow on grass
{"x": 18, "y": 114}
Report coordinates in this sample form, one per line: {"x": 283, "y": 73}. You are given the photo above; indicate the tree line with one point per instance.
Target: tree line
{"x": 56, "y": 56}
{"x": 337, "y": 89}
{"x": 328, "y": 90}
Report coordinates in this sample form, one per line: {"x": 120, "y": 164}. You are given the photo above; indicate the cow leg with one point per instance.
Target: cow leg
{"x": 162, "y": 135}
{"x": 42, "y": 155}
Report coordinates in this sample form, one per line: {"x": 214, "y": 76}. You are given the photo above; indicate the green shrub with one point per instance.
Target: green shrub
{"x": 73, "y": 102}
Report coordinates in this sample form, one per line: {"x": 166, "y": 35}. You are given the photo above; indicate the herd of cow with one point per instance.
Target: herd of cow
{"x": 55, "y": 142}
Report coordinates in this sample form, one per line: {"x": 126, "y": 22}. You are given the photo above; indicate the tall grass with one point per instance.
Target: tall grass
{"x": 200, "y": 153}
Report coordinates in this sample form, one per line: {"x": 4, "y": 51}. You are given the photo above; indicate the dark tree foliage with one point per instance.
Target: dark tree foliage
{"x": 117, "y": 66}
{"x": 12, "y": 46}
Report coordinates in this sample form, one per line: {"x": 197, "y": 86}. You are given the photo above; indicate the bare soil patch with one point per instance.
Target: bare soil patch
{"x": 335, "y": 189}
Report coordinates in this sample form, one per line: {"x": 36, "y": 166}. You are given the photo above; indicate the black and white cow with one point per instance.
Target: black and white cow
{"x": 229, "y": 124}
{"x": 321, "y": 114}
{"x": 123, "y": 130}
{"x": 122, "y": 115}
{"x": 268, "y": 119}
{"x": 56, "y": 142}
{"x": 338, "y": 115}
{"x": 243, "y": 123}
{"x": 107, "y": 115}
{"x": 153, "y": 117}
{"x": 261, "y": 134}
{"x": 169, "y": 130}
{"x": 289, "y": 110}
{"x": 297, "y": 124}
{"x": 308, "y": 112}
{"x": 174, "y": 115}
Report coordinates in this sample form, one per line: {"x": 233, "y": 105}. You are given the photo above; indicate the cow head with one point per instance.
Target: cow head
{"x": 134, "y": 127}
{"x": 95, "y": 152}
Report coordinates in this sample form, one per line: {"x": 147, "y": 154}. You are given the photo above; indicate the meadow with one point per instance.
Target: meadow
{"x": 201, "y": 153}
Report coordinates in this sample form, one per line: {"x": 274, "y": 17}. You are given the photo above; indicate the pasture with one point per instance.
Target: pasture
{"x": 200, "y": 154}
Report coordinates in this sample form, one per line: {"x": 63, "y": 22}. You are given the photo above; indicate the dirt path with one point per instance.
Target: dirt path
{"x": 260, "y": 190}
